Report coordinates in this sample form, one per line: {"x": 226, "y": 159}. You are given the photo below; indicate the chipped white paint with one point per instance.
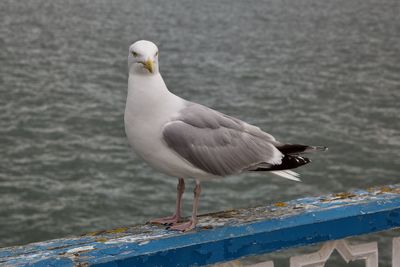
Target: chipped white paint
{"x": 80, "y": 249}
{"x": 215, "y": 223}
{"x": 93, "y": 247}
{"x": 37, "y": 256}
{"x": 144, "y": 243}
{"x": 366, "y": 251}
{"x": 135, "y": 238}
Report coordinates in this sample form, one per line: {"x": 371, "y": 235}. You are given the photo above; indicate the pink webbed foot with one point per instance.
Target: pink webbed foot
{"x": 183, "y": 227}
{"x": 170, "y": 220}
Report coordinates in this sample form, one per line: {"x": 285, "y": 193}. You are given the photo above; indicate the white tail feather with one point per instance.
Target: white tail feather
{"x": 291, "y": 175}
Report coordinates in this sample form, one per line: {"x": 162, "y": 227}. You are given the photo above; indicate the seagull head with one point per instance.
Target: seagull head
{"x": 143, "y": 58}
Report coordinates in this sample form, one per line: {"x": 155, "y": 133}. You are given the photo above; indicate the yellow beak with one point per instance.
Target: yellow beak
{"x": 149, "y": 65}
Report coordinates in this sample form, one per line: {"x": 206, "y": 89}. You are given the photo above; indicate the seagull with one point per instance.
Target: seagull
{"x": 184, "y": 139}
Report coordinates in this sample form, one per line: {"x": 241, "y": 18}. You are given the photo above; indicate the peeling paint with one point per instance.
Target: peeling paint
{"x": 80, "y": 249}
{"x": 251, "y": 230}
{"x": 135, "y": 238}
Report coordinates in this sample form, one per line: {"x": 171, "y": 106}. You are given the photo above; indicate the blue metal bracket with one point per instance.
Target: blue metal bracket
{"x": 222, "y": 236}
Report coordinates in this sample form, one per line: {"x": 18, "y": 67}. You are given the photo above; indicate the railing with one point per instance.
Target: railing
{"x": 229, "y": 235}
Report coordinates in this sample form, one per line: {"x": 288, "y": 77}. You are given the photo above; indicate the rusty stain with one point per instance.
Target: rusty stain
{"x": 386, "y": 189}
{"x": 280, "y": 204}
{"x": 117, "y": 230}
{"x": 383, "y": 189}
{"x": 337, "y": 196}
{"x": 111, "y": 231}
{"x": 344, "y": 195}
{"x": 92, "y": 233}
{"x": 390, "y": 190}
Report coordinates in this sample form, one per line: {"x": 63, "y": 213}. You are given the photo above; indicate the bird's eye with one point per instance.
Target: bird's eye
{"x": 134, "y": 54}
{"x": 156, "y": 54}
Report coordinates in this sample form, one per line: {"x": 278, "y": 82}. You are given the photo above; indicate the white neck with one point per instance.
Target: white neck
{"x": 149, "y": 88}
{"x": 149, "y": 97}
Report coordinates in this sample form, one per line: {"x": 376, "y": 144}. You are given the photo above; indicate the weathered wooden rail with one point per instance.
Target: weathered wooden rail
{"x": 222, "y": 236}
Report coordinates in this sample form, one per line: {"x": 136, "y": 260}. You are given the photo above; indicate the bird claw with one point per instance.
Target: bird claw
{"x": 170, "y": 220}
{"x": 183, "y": 227}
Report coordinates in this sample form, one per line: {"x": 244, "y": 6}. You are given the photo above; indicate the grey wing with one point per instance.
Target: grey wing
{"x": 219, "y": 144}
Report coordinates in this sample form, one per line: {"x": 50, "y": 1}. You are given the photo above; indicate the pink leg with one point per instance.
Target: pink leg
{"x": 177, "y": 215}
{"x": 191, "y": 224}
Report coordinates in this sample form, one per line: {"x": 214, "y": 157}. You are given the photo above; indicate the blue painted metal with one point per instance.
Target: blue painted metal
{"x": 223, "y": 236}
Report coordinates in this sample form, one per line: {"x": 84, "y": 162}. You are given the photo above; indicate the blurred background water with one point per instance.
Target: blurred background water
{"x": 306, "y": 71}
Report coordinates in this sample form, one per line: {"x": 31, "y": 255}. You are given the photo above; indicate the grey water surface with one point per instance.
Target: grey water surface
{"x": 307, "y": 71}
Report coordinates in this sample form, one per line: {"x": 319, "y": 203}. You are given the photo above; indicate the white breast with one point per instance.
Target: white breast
{"x": 149, "y": 107}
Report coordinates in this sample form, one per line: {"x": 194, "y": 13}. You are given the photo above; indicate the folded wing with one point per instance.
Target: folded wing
{"x": 219, "y": 144}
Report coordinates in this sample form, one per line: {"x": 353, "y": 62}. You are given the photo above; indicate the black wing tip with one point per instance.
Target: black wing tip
{"x": 295, "y": 149}
{"x": 288, "y": 162}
